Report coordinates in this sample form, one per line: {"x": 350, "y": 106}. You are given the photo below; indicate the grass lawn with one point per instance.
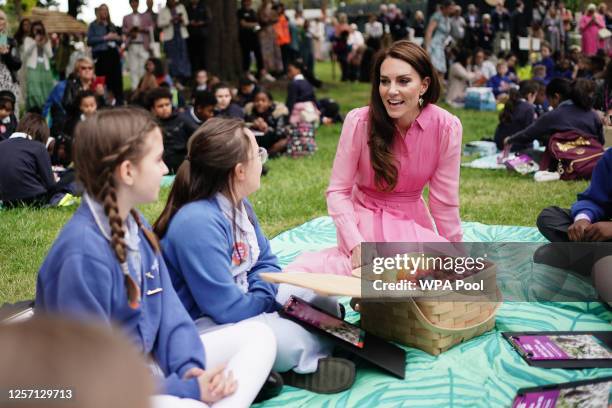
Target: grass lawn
{"x": 293, "y": 192}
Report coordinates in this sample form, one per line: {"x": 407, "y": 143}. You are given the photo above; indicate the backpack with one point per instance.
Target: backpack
{"x": 301, "y": 140}
{"x": 572, "y": 154}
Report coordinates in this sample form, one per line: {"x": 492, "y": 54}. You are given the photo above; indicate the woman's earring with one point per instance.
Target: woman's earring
{"x": 421, "y": 101}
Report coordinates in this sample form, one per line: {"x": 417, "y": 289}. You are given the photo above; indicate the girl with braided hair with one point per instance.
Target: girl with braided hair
{"x": 106, "y": 265}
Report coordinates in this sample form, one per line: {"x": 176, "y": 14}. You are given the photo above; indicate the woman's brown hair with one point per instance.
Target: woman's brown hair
{"x": 213, "y": 152}
{"x": 102, "y": 142}
{"x": 382, "y": 127}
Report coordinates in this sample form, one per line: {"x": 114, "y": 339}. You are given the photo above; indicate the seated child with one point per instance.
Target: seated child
{"x": 203, "y": 108}
{"x": 175, "y": 128}
{"x": 500, "y": 82}
{"x": 268, "y": 120}
{"x": 588, "y": 220}
{"x": 225, "y": 107}
{"x": 563, "y": 69}
{"x": 298, "y": 89}
{"x": 540, "y": 73}
{"x": 547, "y": 61}
{"x": 518, "y": 113}
{"x": 26, "y": 177}
{"x": 201, "y": 81}
{"x": 106, "y": 266}
{"x": 8, "y": 121}
{"x": 541, "y": 102}
{"x": 88, "y": 105}
{"x": 247, "y": 89}
{"x": 215, "y": 249}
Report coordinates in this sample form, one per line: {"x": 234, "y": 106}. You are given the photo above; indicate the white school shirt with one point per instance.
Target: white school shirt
{"x": 245, "y": 242}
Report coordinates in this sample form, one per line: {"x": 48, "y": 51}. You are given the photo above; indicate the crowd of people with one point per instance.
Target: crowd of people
{"x": 66, "y": 82}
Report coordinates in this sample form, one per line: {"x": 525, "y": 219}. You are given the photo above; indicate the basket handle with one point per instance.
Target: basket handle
{"x": 448, "y": 330}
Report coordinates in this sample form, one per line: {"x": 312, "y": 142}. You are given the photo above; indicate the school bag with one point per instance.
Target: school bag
{"x": 301, "y": 140}
{"x": 303, "y": 122}
{"x": 572, "y": 154}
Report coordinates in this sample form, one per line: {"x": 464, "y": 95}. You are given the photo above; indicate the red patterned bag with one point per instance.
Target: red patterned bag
{"x": 572, "y": 154}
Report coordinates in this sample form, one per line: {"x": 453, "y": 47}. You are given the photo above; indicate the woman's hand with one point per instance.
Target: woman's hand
{"x": 356, "y": 257}
{"x": 359, "y": 258}
{"x": 507, "y": 141}
{"x": 215, "y": 385}
{"x": 111, "y": 37}
{"x": 4, "y": 49}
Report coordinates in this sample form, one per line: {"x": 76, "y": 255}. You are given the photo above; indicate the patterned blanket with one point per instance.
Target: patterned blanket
{"x": 483, "y": 372}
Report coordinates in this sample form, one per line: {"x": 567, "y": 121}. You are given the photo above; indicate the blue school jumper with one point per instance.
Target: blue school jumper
{"x": 209, "y": 275}
{"x": 81, "y": 277}
{"x": 596, "y": 201}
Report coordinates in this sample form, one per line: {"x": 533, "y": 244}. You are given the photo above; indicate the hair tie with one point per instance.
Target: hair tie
{"x": 187, "y": 158}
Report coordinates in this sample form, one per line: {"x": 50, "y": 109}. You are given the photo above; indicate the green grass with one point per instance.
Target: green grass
{"x": 293, "y": 192}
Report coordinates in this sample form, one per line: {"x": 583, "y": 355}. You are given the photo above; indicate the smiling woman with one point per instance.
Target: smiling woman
{"x": 388, "y": 152}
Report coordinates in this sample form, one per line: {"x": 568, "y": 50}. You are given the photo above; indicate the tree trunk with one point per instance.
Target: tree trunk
{"x": 223, "y": 49}
{"x": 73, "y": 7}
{"x": 18, "y": 9}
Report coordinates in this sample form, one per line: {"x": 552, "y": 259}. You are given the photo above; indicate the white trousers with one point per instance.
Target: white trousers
{"x": 298, "y": 349}
{"x": 248, "y": 348}
{"x": 136, "y": 58}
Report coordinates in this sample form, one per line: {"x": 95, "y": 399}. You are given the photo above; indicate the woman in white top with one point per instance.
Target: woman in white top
{"x": 460, "y": 77}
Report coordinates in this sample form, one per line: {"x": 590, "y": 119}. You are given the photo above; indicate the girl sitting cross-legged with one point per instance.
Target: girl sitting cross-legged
{"x": 215, "y": 250}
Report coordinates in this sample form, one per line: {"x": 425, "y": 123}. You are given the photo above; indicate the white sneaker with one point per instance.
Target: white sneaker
{"x": 546, "y": 176}
{"x": 268, "y": 78}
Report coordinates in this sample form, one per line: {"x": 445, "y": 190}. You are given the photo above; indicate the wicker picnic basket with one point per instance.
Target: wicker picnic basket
{"x": 432, "y": 324}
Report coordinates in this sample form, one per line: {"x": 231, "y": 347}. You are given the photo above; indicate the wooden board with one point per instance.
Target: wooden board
{"x": 57, "y": 21}
{"x": 321, "y": 283}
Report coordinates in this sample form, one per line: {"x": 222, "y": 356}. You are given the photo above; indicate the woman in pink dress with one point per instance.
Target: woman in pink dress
{"x": 590, "y": 24}
{"x": 387, "y": 153}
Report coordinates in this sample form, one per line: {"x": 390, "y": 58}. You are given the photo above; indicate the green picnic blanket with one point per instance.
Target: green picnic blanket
{"x": 482, "y": 372}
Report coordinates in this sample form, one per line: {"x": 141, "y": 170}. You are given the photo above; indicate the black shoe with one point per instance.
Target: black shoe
{"x": 550, "y": 254}
{"x": 333, "y": 375}
{"x": 271, "y": 388}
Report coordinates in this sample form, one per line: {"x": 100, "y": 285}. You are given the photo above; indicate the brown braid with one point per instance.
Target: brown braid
{"x": 150, "y": 235}
{"x": 111, "y": 209}
{"x": 102, "y": 143}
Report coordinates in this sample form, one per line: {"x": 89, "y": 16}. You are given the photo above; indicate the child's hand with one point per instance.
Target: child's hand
{"x": 215, "y": 385}
{"x": 193, "y": 373}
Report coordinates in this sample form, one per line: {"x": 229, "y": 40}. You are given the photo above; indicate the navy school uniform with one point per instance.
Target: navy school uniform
{"x": 82, "y": 277}
{"x": 25, "y": 170}
{"x": 596, "y": 201}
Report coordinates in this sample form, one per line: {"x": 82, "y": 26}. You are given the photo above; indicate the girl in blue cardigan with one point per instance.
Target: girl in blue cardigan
{"x": 214, "y": 248}
{"x": 107, "y": 265}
